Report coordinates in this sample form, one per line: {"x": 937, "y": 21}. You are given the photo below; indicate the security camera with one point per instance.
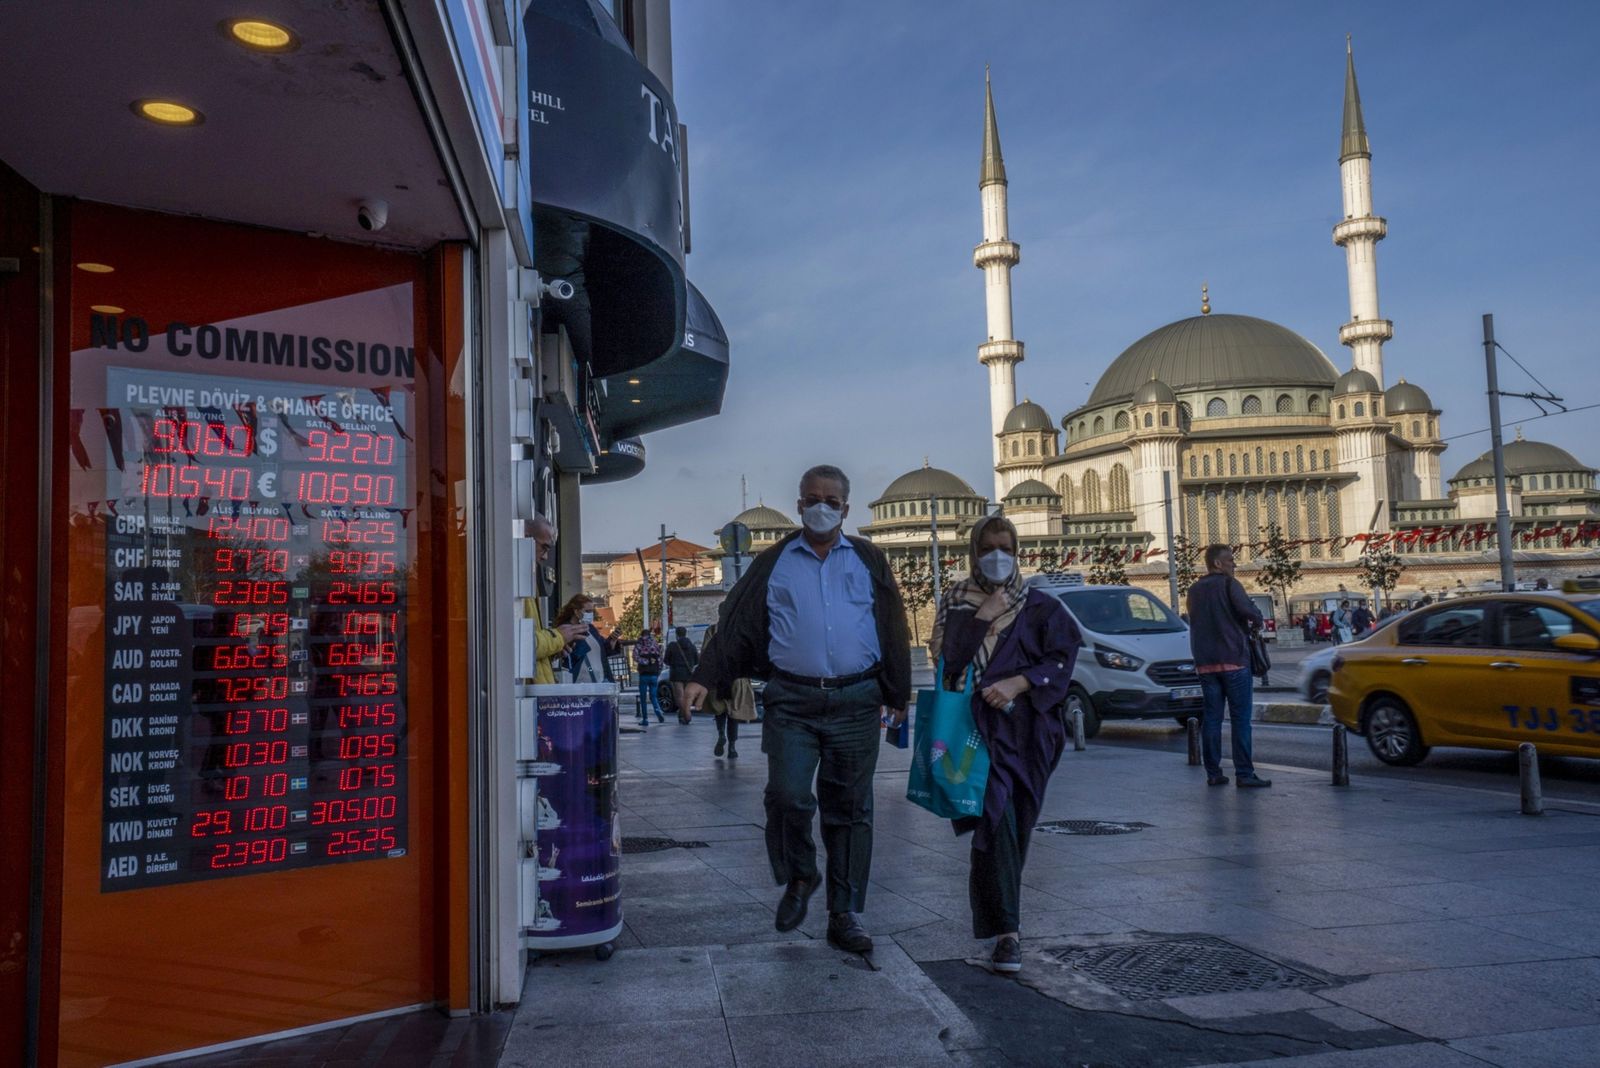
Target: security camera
{"x": 559, "y": 289}
{"x": 372, "y": 214}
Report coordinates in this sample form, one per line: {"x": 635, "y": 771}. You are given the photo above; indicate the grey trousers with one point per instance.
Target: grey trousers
{"x": 829, "y": 737}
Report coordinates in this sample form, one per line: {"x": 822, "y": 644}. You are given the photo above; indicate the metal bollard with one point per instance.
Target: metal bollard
{"x": 1194, "y": 742}
{"x": 1341, "y": 755}
{"x": 1077, "y": 730}
{"x": 1532, "y": 791}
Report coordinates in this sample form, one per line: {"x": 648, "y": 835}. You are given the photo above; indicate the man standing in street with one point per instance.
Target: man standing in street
{"x": 549, "y": 643}
{"x": 682, "y": 659}
{"x": 1361, "y": 619}
{"x": 820, "y": 617}
{"x": 1221, "y": 615}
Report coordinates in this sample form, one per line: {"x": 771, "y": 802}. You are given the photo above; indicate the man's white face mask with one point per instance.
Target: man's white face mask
{"x": 997, "y": 566}
{"x": 821, "y": 518}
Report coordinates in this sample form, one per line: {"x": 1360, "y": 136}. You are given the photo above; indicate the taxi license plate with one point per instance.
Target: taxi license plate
{"x": 1186, "y": 693}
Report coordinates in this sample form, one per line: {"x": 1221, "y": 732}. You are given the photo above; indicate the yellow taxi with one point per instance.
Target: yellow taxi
{"x": 1487, "y": 672}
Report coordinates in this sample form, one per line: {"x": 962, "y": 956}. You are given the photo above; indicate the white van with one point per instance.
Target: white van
{"x": 1135, "y": 662}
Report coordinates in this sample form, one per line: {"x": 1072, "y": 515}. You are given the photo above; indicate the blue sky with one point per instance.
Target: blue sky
{"x": 1149, "y": 146}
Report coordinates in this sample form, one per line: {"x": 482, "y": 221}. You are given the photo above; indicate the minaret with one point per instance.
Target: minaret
{"x": 1359, "y": 234}
{"x": 995, "y": 257}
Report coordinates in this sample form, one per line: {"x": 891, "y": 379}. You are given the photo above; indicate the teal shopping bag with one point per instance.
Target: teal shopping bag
{"x": 949, "y": 762}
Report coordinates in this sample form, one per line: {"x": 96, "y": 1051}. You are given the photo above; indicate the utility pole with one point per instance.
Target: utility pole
{"x": 666, "y": 615}
{"x": 1172, "y": 558}
{"x": 1502, "y": 514}
{"x": 933, "y": 525}
{"x": 644, "y": 591}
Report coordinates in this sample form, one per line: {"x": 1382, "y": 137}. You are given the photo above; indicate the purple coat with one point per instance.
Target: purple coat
{"x": 1025, "y": 744}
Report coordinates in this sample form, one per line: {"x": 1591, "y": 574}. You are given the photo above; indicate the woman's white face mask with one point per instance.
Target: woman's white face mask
{"x": 997, "y": 566}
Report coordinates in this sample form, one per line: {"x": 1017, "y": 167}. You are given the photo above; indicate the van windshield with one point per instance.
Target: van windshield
{"x": 1120, "y": 611}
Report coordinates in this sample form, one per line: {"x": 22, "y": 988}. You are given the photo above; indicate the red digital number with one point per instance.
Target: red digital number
{"x": 355, "y": 810}
{"x": 247, "y": 528}
{"x": 187, "y": 481}
{"x": 368, "y": 684}
{"x": 250, "y": 561}
{"x": 250, "y": 592}
{"x": 366, "y": 746}
{"x": 361, "y": 654}
{"x": 206, "y": 824}
{"x": 358, "y": 531}
{"x": 257, "y": 851}
{"x": 248, "y": 720}
{"x": 359, "y": 447}
{"x": 373, "y": 776}
{"x": 356, "y": 562}
{"x": 368, "y": 715}
{"x": 251, "y": 754}
{"x": 205, "y": 439}
{"x": 260, "y": 624}
{"x": 344, "y": 487}
{"x": 363, "y": 593}
{"x": 253, "y": 688}
{"x": 365, "y": 840}
{"x": 242, "y": 657}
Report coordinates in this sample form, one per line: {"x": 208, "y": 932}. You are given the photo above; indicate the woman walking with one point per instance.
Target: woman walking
{"x": 1020, "y": 646}
{"x": 647, "y": 662}
{"x": 731, "y": 707}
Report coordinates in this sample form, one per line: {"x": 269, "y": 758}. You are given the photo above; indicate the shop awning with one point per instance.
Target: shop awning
{"x": 679, "y": 388}
{"x": 604, "y": 164}
{"x": 622, "y": 460}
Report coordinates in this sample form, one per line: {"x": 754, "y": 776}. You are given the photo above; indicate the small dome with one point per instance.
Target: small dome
{"x": 1355, "y": 382}
{"x": 1031, "y": 487}
{"x": 1405, "y": 397}
{"x": 927, "y": 482}
{"x": 763, "y": 518}
{"x": 1155, "y": 391}
{"x": 1027, "y": 416}
{"x": 1525, "y": 458}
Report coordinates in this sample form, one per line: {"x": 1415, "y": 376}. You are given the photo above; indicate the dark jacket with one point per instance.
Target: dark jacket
{"x": 1219, "y": 613}
{"x": 682, "y": 658}
{"x": 739, "y": 648}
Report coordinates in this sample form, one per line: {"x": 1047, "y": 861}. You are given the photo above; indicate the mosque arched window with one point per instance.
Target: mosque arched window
{"x": 1185, "y": 415}
{"x": 1064, "y": 487}
{"x": 1360, "y": 409}
{"x": 1194, "y": 466}
{"x": 1341, "y": 411}
{"x": 1259, "y": 469}
{"x": 1166, "y": 418}
{"x": 1313, "y": 459}
{"x": 1233, "y": 463}
{"x": 1216, "y": 406}
{"x": 1299, "y": 457}
{"x": 1219, "y": 461}
{"x": 1416, "y": 428}
{"x": 1149, "y": 419}
{"x": 1083, "y": 428}
{"x": 1016, "y": 448}
{"x": 1251, "y": 405}
{"x": 1313, "y": 404}
{"x": 1246, "y": 463}
{"x": 1272, "y": 462}
{"x": 1285, "y": 404}
{"x": 1032, "y": 447}
{"x": 1205, "y": 464}
{"x": 1546, "y": 481}
{"x": 1327, "y": 460}
{"x": 1286, "y": 461}
{"x": 1431, "y": 430}
{"x": 1099, "y": 424}
{"x": 1091, "y": 491}
{"x": 1120, "y": 497}
{"x": 1121, "y": 421}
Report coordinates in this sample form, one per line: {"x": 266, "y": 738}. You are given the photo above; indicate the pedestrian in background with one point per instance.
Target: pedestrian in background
{"x": 1221, "y": 615}
{"x": 1361, "y": 619}
{"x": 682, "y": 659}
{"x": 1343, "y": 625}
{"x": 549, "y": 643}
{"x": 731, "y": 707}
{"x": 588, "y": 658}
{"x": 1021, "y": 646}
{"x": 819, "y": 616}
{"x": 647, "y": 662}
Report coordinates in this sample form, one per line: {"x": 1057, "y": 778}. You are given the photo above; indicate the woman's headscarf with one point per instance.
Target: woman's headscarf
{"x": 973, "y": 590}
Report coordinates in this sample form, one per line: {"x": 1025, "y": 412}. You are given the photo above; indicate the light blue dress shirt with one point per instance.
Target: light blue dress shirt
{"x": 820, "y": 610}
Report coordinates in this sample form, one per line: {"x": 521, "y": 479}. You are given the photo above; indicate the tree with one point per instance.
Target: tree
{"x": 1185, "y": 561}
{"x": 1107, "y": 566}
{"x": 915, "y": 579}
{"x": 1279, "y": 569}
{"x": 1380, "y": 569}
{"x": 631, "y": 620}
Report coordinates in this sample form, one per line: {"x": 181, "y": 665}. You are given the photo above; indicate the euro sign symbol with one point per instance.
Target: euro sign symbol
{"x": 269, "y": 483}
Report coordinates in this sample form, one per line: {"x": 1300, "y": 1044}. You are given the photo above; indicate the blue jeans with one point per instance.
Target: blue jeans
{"x": 647, "y": 692}
{"x": 1235, "y": 689}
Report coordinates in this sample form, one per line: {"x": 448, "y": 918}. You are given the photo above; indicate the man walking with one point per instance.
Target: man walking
{"x": 682, "y": 659}
{"x": 1221, "y": 615}
{"x": 820, "y": 617}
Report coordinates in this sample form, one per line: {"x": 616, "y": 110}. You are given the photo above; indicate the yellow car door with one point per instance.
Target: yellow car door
{"x": 1547, "y": 694}
{"x": 1442, "y": 669}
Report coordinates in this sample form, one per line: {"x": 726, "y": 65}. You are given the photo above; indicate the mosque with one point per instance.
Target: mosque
{"x": 1245, "y": 425}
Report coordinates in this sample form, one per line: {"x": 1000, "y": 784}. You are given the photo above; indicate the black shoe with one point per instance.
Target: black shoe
{"x": 1218, "y": 779}
{"x": 792, "y": 905}
{"x": 720, "y": 746}
{"x": 732, "y": 752}
{"x": 846, "y": 932}
{"x": 1252, "y": 780}
{"x": 1007, "y": 955}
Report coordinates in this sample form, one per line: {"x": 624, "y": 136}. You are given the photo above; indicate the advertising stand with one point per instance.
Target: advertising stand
{"x": 567, "y": 815}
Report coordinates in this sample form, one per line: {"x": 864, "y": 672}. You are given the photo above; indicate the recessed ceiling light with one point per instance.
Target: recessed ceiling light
{"x": 261, "y": 36}
{"x": 107, "y": 309}
{"x": 636, "y": 400}
{"x": 633, "y": 381}
{"x": 96, "y": 268}
{"x": 167, "y": 112}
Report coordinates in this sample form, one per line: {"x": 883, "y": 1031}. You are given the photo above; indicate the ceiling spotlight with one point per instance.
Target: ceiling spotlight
{"x": 261, "y": 36}
{"x": 107, "y": 309}
{"x": 636, "y": 400}
{"x": 633, "y": 381}
{"x": 96, "y": 268}
{"x": 167, "y": 113}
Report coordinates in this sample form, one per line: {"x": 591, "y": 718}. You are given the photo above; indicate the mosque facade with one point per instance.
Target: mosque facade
{"x": 1246, "y": 425}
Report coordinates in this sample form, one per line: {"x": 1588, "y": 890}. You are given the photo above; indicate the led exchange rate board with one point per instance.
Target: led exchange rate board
{"x": 258, "y": 547}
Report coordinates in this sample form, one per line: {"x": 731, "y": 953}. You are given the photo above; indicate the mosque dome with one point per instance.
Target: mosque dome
{"x": 1027, "y": 416}
{"x": 1215, "y": 351}
{"x": 1403, "y": 397}
{"x": 927, "y": 482}
{"x": 1524, "y": 458}
{"x": 1356, "y": 381}
{"x": 1155, "y": 391}
{"x": 763, "y": 518}
{"x": 1031, "y": 487}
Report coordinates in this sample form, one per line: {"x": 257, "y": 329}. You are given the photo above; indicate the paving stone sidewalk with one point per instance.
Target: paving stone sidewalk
{"x": 1390, "y": 923}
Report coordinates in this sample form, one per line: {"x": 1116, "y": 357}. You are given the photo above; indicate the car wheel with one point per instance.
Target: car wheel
{"x": 1078, "y": 700}
{"x": 1317, "y": 688}
{"x": 668, "y": 705}
{"x": 1392, "y": 733}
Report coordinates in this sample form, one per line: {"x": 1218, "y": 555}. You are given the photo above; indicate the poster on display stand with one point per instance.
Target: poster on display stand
{"x": 567, "y": 812}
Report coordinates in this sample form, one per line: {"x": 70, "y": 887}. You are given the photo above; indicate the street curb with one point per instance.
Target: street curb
{"x": 1292, "y": 712}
